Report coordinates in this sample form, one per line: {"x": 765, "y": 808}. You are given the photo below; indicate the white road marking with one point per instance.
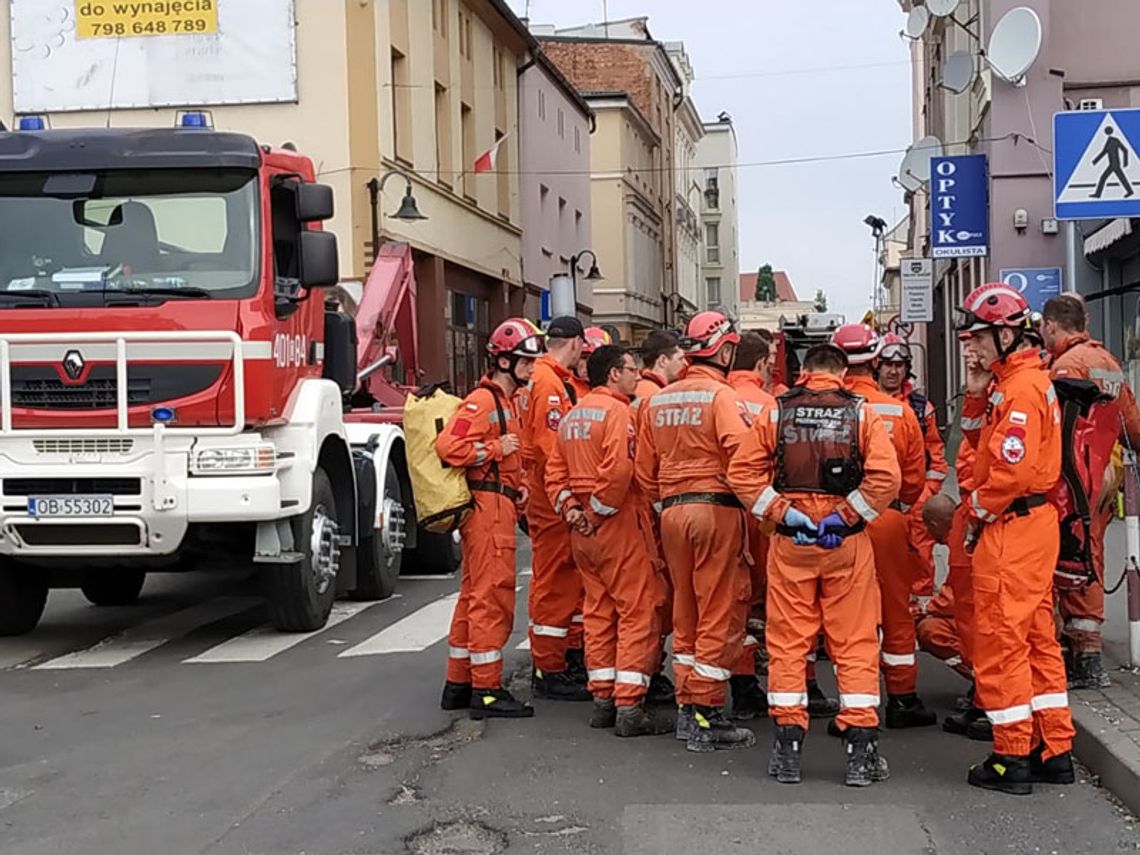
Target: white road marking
{"x": 524, "y": 644}
{"x": 145, "y": 637}
{"x": 418, "y": 631}
{"x": 265, "y": 642}
{"x": 437, "y": 578}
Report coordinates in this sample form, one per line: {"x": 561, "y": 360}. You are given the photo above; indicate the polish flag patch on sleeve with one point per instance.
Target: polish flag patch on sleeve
{"x": 1018, "y": 418}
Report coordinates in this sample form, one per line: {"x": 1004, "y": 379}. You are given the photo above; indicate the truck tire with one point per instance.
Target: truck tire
{"x": 23, "y": 594}
{"x": 300, "y": 595}
{"x": 118, "y": 586}
{"x": 377, "y": 562}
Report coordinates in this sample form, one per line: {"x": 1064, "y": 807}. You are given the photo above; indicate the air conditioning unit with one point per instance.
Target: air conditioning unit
{"x": 1091, "y": 104}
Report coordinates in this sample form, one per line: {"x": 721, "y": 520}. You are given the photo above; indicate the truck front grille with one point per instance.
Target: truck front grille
{"x": 93, "y": 395}
{"x": 40, "y": 387}
{"x": 107, "y": 445}
{"x": 80, "y": 534}
{"x": 72, "y": 486}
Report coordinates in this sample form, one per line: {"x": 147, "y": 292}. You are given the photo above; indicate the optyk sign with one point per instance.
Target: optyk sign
{"x": 959, "y": 207}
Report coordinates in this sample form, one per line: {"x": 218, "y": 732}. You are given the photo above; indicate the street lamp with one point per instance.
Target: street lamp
{"x": 878, "y": 227}
{"x": 408, "y": 212}
{"x": 592, "y": 275}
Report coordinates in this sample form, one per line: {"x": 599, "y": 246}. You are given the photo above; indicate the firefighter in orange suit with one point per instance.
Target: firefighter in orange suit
{"x": 556, "y": 586}
{"x": 662, "y": 363}
{"x": 895, "y": 367}
{"x": 1016, "y": 431}
{"x": 689, "y": 432}
{"x": 821, "y": 467}
{"x": 893, "y": 559}
{"x": 938, "y": 632}
{"x": 589, "y": 481}
{"x": 1074, "y": 355}
{"x": 483, "y": 437}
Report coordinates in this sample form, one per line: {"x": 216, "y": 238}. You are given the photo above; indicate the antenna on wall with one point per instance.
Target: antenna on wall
{"x": 606, "y": 17}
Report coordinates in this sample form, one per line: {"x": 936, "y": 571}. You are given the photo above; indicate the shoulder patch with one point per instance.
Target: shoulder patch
{"x": 1018, "y": 418}
{"x": 553, "y": 399}
{"x": 554, "y": 419}
{"x": 472, "y": 406}
{"x": 1012, "y": 449}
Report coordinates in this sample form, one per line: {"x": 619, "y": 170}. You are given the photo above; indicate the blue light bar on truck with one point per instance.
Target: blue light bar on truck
{"x": 194, "y": 120}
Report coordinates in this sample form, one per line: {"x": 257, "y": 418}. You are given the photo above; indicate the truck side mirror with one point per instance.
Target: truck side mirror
{"x": 314, "y": 202}
{"x": 318, "y": 263}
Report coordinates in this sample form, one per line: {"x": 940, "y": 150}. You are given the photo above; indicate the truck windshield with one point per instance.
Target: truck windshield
{"x": 74, "y": 238}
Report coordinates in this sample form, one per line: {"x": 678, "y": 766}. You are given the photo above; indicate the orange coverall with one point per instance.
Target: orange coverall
{"x": 1018, "y": 670}
{"x": 936, "y": 470}
{"x": 938, "y": 633}
{"x": 555, "y": 585}
{"x": 649, "y": 384}
{"x": 688, "y": 434}
{"x": 894, "y": 562}
{"x": 759, "y": 404}
{"x": 1081, "y": 358}
{"x": 592, "y": 467}
{"x": 809, "y": 586}
{"x": 485, "y": 612}
{"x": 960, "y": 579}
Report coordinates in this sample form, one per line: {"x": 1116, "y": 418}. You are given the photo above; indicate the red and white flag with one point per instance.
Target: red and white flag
{"x": 486, "y": 161}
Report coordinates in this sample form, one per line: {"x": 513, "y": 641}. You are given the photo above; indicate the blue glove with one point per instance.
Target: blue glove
{"x": 794, "y": 518}
{"x": 802, "y": 538}
{"x": 828, "y": 537}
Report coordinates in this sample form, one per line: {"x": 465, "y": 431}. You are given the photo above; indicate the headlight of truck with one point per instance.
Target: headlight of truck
{"x": 247, "y": 460}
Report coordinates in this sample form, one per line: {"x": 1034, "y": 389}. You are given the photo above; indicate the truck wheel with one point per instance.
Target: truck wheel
{"x": 300, "y": 595}
{"x": 435, "y": 554}
{"x": 23, "y": 594}
{"x": 378, "y": 557}
{"x": 118, "y": 586}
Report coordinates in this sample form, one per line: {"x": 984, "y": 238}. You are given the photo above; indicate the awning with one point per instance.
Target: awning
{"x": 1107, "y": 235}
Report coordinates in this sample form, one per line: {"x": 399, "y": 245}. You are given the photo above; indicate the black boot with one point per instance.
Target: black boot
{"x": 908, "y": 711}
{"x": 604, "y": 714}
{"x": 1058, "y": 769}
{"x": 497, "y": 703}
{"x": 661, "y": 690}
{"x": 712, "y": 731}
{"x": 559, "y": 686}
{"x": 686, "y": 724}
{"x": 748, "y": 699}
{"x": 784, "y": 762}
{"x": 959, "y": 723}
{"x": 980, "y": 730}
{"x": 819, "y": 704}
{"x": 638, "y": 721}
{"x": 456, "y": 696}
{"x": 1003, "y": 773}
{"x": 1086, "y": 671}
{"x": 864, "y": 765}
{"x": 576, "y": 665}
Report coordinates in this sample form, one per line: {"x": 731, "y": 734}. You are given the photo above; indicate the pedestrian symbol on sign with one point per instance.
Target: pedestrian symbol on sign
{"x": 1115, "y": 151}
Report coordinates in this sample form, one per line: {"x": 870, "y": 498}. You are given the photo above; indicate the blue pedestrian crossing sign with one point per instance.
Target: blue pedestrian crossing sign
{"x": 1096, "y": 168}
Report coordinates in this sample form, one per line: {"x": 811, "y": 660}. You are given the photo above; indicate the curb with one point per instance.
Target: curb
{"x": 1110, "y": 754}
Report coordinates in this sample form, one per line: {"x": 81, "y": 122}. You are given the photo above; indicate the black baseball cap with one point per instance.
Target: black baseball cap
{"x": 566, "y": 326}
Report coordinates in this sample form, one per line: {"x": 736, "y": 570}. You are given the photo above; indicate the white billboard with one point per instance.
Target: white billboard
{"x": 72, "y": 55}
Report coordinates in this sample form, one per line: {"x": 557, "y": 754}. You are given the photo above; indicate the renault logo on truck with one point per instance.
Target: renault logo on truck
{"x": 73, "y": 364}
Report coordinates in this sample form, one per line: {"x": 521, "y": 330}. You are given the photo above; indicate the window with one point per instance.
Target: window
{"x": 712, "y": 234}
{"x": 443, "y": 160}
{"x": 401, "y": 107}
{"x": 561, "y": 124}
{"x": 467, "y": 130}
{"x": 561, "y": 208}
{"x": 497, "y": 67}
{"x": 712, "y": 189}
{"x": 439, "y": 16}
{"x": 467, "y": 333}
{"x": 464, "y": 35}
{"x": 712, "y": 290}
{"x": 503, "y": 173}
{"x": 542, "y": 105}
{"x": 543, "y": 193}
{"x": 578, "y": 224}
{"x": 577, "y": 140}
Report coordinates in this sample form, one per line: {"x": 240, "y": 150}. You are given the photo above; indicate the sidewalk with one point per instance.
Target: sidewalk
{"x": 1108, "y": 721}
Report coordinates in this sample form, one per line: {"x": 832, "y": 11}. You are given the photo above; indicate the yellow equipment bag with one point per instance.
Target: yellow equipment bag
{"x": 443, "y": 500}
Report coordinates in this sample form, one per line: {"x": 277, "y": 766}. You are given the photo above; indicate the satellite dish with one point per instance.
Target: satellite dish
{"x": 1015, "y": 45}
{"x": 916, "y": 22}
{"x": 906, "y": 177}
{"x": 958, "y": 72}
{"x": 942, "y": 8}
{"x": 915, "y": 168}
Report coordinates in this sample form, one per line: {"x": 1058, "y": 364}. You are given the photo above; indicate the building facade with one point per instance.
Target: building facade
{"x": 720, "y": 253}
{"x": 555, "y": 126}
{"x": 689, "y": 131}
{"x": 632, "y": 85}
{"x": 422, "y": 86}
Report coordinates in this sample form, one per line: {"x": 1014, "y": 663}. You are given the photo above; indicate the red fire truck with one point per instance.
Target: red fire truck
{"x": 172, "y": 388}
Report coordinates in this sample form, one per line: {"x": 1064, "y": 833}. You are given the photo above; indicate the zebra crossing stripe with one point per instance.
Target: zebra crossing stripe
{"x": 418, "y": 631}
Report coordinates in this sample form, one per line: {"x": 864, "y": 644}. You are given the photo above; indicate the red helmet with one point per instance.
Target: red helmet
{"x": 861, "y": 343}
{"x": 516, "y": 337}
{"x": 707, "y": 333}
{"x": 993, "y": 306}
{"x": 595, "y": 337}
{"x": 895, "y": 349}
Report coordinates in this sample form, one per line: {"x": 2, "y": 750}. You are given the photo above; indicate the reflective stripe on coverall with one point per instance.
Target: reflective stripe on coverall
{"x": 809, "y": 586}
{"x": 555, "y": 586}
{"x": 592, "y": 466}
{"x": 895, "y": 563}
{"x": 485, "y": 611}
{"x": 1082, "y": 358}
{"x": 1018, "y": 670}
{"x": 688, "y": 434}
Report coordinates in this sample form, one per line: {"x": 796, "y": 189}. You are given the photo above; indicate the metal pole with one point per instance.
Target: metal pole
{"x": 1070, "y": 283}
{"x": 1132, "y": 559}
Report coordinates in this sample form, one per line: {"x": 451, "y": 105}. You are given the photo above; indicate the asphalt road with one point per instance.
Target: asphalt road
{"x": 181, "y": 726}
